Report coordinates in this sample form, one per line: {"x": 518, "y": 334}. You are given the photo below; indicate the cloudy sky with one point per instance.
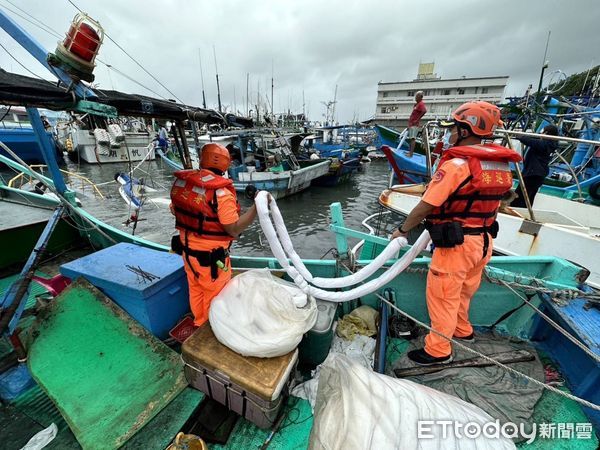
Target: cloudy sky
{"x": 312, "y": 46}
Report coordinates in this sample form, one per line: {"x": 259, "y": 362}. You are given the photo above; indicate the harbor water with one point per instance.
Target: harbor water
{"x": 306, "y": 214}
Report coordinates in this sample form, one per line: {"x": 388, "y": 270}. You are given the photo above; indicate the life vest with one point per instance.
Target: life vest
{"x": 194, "y": 198}
{"x": 477, "y": 199}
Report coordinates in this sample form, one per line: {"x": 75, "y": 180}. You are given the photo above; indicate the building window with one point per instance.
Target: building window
{"x": 476, "y": 89}
{"x": 386, "y": 94}
{"x": 461, "y": 91}
{"x": 410, "y": 94}
{"x": 425, "y": 93}
{"x": 484, "y": 90}
{"x": 446, "y": 91}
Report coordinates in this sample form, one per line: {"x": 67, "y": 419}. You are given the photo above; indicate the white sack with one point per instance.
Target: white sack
{"x": 358, "y": 409}
{"x": 257, "y": 314}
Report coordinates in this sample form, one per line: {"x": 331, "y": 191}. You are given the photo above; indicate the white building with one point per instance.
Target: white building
{"x": 395, "y": 100}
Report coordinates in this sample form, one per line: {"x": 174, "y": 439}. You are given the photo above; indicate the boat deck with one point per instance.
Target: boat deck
{"x": 17, "y": 215}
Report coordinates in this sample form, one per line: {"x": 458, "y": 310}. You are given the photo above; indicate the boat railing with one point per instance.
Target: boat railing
{"x": 73, "y": 179}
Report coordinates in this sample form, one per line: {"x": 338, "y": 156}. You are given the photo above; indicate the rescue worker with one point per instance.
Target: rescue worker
{"x": 460, "y": 206}
{"x": 207, "y": 215}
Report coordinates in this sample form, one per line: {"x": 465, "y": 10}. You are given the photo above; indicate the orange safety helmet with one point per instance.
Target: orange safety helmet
{"x": 215, "y": 156}
{"x": 482, "y": 118}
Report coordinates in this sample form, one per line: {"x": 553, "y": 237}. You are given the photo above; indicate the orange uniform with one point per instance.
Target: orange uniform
{"x": 455, "y": 273}
{"x": 202, "y": 203}
{"x": 202, "y": 288}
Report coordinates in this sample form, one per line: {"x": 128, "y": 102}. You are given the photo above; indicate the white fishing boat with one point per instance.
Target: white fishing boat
{"x": 553, "y": 233}
{"x": 107, "y": 143}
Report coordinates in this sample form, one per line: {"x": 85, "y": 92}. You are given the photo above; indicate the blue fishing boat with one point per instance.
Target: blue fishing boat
{"x": 22, "y": 140}
{"x": 326, "y": 142}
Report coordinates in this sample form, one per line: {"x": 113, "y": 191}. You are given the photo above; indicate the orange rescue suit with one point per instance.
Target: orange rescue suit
{"x": 467, "y": 188}
{"x": 198, "y": 198}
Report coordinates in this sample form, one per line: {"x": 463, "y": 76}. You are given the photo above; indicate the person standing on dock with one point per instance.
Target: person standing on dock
{"x": 460, "y": 206}
{"x": 535, "y": 165}
{"x": 207, "y": 215}
{"x": 414, "y": 121}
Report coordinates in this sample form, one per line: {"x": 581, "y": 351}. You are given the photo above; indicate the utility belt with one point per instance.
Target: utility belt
{"x": 214, "y": 259}
{"x": 451, "y": 234}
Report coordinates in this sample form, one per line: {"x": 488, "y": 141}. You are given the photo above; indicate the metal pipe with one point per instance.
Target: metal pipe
{"x": 562, "y": 158}
{"x": 547, "y": 137}
{"x": 425, "y": 133}
{"x": 521, "y": 181}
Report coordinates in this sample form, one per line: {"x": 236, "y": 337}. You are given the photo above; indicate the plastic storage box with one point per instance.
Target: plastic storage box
{"x": 315, "y": 344}
{"x": 252, "y": 387}
{"x": 157, "y": 297}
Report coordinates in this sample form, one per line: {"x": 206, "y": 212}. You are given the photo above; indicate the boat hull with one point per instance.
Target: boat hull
{"x": 135, "y": 148}
{"x": 562, "y": 238}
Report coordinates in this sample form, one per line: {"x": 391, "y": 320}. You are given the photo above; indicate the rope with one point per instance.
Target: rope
{"x": 492, "y": 360}
{"x": 21, "y": 64}
{"x": 547, "y": 318}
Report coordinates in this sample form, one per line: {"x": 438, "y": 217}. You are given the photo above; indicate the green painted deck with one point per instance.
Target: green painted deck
{"x": 108, "y": 376}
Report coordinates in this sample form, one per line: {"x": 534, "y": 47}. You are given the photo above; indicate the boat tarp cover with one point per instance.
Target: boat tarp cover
{"x": 107, "y": 374}
{"x": 27, "y": 91}
{"x": 493, "y": 389}
{"x": 21, "y": 90}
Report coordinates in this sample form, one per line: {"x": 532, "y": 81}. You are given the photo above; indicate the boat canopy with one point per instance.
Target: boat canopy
{"x": 22, "y": 90}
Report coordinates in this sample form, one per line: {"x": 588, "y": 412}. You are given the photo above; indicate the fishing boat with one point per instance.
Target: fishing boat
{"x": 136, "y": 383}
{"x": 546, "y": 276}
{"x": 82, "y": 186}
{"x": 340, "y": 171}
{"x": 268, "y": 163}
{"x": 20, "y": 137}
{"x": 551, "y": 233}
{"x": 96, "y": 141}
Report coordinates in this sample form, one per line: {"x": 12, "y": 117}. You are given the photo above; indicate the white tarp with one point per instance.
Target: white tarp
{"x": 358, "y": 409}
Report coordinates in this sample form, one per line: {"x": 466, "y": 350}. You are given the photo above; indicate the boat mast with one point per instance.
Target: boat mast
{"x": 272, "y": 104}
{"x": 333, "y": 106}
{"x": 544, "y": 67}
{"x": 202, "y": 79}
{"x": 217, "y": 75}
{"x": 247, "y": 94}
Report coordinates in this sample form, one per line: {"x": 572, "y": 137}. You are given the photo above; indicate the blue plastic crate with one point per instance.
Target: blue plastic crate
{"x": 157, "y": 304}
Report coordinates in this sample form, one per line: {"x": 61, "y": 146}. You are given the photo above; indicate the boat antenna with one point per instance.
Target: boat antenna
{"x": 217, "y": 75}
{"x": 247, "y": 94}
{"x": 202, "y": 79}
{"x": 544, "y": 67}
{"x": 303, "y": 106}
{"x": 272, "y": 104}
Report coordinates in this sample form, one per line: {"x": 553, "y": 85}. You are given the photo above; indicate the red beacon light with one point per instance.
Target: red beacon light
{"x": 77, "y": 52}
